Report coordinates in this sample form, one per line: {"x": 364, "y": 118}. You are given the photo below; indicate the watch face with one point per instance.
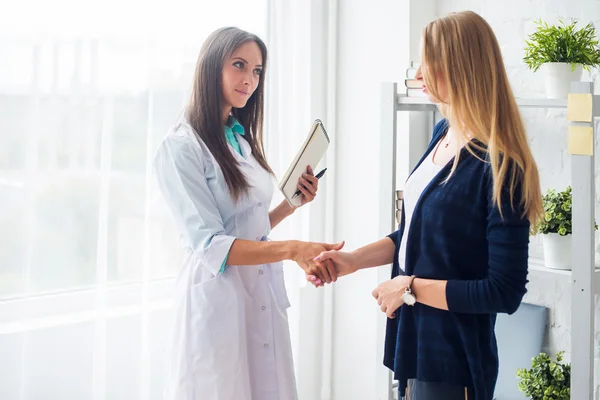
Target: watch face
{"x": 409, "y": 299}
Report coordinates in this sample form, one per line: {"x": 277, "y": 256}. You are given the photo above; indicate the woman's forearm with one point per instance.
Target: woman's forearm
{"x": 279, "y": 213}
{"x": 248, "y": 252}
{"x": 375, "y": 254}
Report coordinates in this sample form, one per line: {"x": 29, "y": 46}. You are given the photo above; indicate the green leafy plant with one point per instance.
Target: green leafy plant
{"x": 562, "y": 43}
{"x": 557, "y": 213}
{"x": 547, "y": 379}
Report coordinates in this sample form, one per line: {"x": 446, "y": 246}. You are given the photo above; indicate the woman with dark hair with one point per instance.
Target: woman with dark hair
{"x": 231, "y": 335}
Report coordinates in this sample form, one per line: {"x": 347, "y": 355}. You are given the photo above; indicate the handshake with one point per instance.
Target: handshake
{"x": 323, "y": 263}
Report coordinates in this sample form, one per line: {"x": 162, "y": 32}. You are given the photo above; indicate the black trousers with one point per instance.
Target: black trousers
{"x": 418, "y": 390}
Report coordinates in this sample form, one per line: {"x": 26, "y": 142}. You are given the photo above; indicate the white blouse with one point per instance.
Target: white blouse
{"x": 413, "y": 188}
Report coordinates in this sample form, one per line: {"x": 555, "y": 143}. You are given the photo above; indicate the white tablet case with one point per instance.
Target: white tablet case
{"x": 310, "y": 153}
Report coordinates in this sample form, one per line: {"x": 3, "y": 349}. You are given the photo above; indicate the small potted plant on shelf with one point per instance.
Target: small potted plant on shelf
{"x": 547, "y": 379}
{"x": 562, "y": 51}
{"x": 556, "y": 228}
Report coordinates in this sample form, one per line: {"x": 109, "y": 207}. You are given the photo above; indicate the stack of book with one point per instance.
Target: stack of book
{"x": 399, "y": 198}
{"x": 414, "y": 87}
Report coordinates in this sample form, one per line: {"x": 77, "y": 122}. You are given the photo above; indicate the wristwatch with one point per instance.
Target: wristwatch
{"x": 408, "y": 297}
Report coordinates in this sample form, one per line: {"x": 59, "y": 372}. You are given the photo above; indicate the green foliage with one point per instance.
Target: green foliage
{"x": 562, "y": 43}
{"x": 557, "y": 213}
{"x": 547, "y": 379}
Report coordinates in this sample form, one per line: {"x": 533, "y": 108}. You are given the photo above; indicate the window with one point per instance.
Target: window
{"x": 88, "y": 253}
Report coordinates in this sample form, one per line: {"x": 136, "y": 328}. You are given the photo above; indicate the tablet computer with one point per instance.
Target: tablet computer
{"x": 311, "y": 152}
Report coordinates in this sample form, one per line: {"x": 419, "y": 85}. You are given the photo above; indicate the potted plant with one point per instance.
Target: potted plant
{"x": 562, "y": 50}
{"x": 556, "y": 228}
{"x": 547, "y": 379}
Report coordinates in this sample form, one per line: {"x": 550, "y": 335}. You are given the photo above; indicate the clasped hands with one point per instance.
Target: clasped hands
{"x": 333, "y": 263}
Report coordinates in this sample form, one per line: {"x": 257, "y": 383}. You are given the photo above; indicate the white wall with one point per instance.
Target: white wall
{"x": 373, "y": 47}
{"x": 376, "y": 41}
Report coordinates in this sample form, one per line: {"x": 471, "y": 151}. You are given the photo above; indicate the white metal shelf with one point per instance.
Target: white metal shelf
{"x": 407, "y": 103}
{"x": 537, "y": 265}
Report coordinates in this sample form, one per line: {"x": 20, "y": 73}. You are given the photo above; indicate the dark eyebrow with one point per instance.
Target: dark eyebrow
{"x": 245, "y": 62}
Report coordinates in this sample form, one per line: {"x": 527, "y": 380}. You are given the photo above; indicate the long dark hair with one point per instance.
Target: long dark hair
{"x": 204, "y": 111}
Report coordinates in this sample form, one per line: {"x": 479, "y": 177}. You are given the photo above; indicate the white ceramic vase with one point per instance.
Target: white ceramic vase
{"x": 557, "y": 251}
{"x": 558, "y": 78}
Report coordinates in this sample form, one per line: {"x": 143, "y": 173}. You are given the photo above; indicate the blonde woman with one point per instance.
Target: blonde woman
{"x": 460, "y": 255}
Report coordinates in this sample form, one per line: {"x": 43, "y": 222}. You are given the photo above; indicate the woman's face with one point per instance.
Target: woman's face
{"x": 241, "y": 75}
{"x": 441, "y": 85}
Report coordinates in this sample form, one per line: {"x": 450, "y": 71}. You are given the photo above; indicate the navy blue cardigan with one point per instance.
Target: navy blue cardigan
{"x": 457, "y": 234}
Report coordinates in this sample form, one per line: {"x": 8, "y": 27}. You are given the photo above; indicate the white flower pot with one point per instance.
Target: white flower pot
{"x": 558, "y": 79}
{"x": 557, "y": 251}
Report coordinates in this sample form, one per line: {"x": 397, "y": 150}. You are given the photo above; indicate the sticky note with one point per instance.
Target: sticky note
{"x": 579, "y": 107}
{"x": 581, "y": 140}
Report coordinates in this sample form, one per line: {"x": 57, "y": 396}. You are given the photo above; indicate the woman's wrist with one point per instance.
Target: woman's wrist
{"x": 356, "y": 260}
{"x": 286, "y": 208}
{"x": 291, "y": 249}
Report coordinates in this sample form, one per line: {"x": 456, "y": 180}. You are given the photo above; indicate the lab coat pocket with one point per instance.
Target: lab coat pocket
{"x": 278, "y": 285}
{"x": 217, "y": 331}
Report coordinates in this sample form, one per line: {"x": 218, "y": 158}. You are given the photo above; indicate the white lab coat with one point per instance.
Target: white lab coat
{"x": 231, "y": 335}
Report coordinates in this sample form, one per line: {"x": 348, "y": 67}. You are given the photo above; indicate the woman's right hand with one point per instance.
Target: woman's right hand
{"x": 305, "y": 253}
{"x": 343, "y": 263}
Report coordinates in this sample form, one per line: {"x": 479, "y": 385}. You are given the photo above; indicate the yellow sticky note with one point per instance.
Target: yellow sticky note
{"x": 581, "y": 140}
{"x": 579, "y": 107}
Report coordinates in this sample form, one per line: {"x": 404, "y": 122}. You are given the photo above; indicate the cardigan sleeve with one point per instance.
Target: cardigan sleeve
{"x": 394, "y": 236}
{"x": 508, "y": 242}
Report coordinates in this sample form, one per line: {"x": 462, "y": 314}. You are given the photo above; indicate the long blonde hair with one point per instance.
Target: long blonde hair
{"x": 462, "y": 50}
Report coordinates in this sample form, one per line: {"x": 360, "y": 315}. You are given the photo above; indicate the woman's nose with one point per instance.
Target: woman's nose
{"x": 248, "y": 78}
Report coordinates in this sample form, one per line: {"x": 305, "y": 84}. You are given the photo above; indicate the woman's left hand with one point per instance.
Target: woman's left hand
{"x": 389, "y": 294}
{"x": 308, "y": 186}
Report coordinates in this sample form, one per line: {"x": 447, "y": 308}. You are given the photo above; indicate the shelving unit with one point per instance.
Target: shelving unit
{"x": 537, "y": 264}
{"x": 423, "y": 104}
{"x": 584, "y": 278}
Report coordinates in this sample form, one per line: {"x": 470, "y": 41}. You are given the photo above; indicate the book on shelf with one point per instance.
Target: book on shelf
{"x": 399, "y": 198}
{"x": 414, "y": 87}
{"x": 414, "y": 92}
{"x": 413, "y": 83}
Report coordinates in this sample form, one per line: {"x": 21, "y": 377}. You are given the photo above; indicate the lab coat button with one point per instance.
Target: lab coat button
{"x": 266, "y": 345}
{"x": 260, "y": 271}
{"x": 263, "y": 308}
{"x": 260, "y": 204}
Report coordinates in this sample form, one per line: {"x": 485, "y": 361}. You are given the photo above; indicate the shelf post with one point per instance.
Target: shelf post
{"x": 387, "y": 213}
{"x": 583, "y": 263}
